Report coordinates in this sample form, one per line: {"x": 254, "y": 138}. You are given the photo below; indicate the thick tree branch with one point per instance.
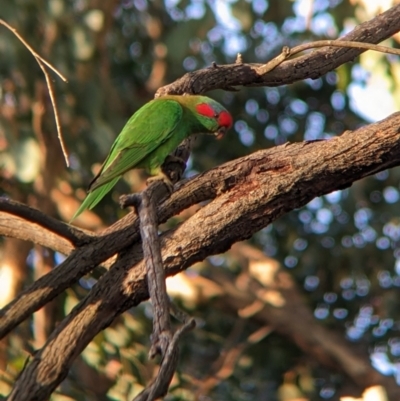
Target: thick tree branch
{"x": 85, "y": 259}
{"x": 45, "y": 223}
{"x": 251, "y": 192}
{"x": 17, "y": 227}
{"x": 313, "y": 65}
{"x": 203, "y": 187}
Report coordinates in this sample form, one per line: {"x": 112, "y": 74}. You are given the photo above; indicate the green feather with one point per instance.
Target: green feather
{"x": 94, "y": 197}
{"x": 149, "y": 136}
{"x": 145, "y": 131}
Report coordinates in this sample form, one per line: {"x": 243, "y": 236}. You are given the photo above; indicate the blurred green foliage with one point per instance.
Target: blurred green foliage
{"x": 343, "y": 249}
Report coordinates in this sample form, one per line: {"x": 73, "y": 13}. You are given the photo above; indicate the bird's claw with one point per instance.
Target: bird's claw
{"x": 168, "y": 183}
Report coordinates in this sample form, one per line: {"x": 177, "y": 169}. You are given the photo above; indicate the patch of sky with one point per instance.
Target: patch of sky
{"x": 334, "y": 197}
{"x": 234, "y": 41}
{"x": 262, "y": 116}
{"x": 314, "y": 126}
{"x": 362, "y": 217}
{"x": 59, "y": 258}
{"x": 392, "y": 231}
{"x": 358, "y": 241}
{"x": 292, "y": 25}
{"x": 299, "y": 107}
{"x": 385, "y": 279}
{"x": 327, "y": 392}
{"x": 346, "y": 283}
{"x": 324, "y": 216}
{"x": 311, "y": 283}
{"x": 190, "y": 63}
{"x": 354, "y": 333}
{"x": 348, "y": 295}
{"x": 338, "y": 100}
{"x": 340, "y": 313}
{"x": 260, "y": 29}
{"x": 382, "y": 175}
{"x": 372, "y": 102}
{"x": 391, "y": 194}
{"x": 321, "y": 311}
{"x": 319, "y": 228}
{"x": 300, "y": 244}
{"x": 171, "y": 3}
{"x": 251, "y": 107}
{"x": 271, "y": 132}
{"x": 87, "y": 282}
{"x": 305, "y": 216}
{"x": 215, "y": 35}
{"x": 336, "y": 209}
{"x": 271, "y": 33}
{"x": 288, "y": 125}
{"x": 290, "y": 261}
{"x": 315, "y": 84}
{"x": 140, "y": 5}
{"x": 380, "y": 361}
{"x": 246, "y": 134}
{"x": 347, "y": 241}
{"x": 260, "y": 6}
{"x": 196, "y": 9}
{"x": 247, "y": 137}
{"x": 330, "y": 297}
{"x": 324, "y": 24}
{"x": 315, "y": 204}
{"x": 382, "y": 243}
{"x": 394, "y": 344}
{"x": 273, "y": 96}
{"x": 369, "y": 234}
{"x": 359, "y": 74}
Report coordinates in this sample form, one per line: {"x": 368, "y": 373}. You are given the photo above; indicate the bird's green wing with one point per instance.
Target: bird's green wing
{"x": 94, "y": 197}
{"x": 147, "y": 129}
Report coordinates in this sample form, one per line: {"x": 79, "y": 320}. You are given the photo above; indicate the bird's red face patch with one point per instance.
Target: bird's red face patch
{"x": 225, "y": 119}
{"x": 205, "y": 110}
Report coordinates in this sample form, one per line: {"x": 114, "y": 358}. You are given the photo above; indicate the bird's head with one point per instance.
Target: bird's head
{"x": 214, "y": 117}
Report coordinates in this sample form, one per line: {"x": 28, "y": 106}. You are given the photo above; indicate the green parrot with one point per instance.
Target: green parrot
{"x": 151, "y": 134}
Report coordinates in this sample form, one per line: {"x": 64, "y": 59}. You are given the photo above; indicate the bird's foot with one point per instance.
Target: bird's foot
{"x": 170, "y": 168}
{"x": 175, "y": 159}
{"x": 164, "y": 178}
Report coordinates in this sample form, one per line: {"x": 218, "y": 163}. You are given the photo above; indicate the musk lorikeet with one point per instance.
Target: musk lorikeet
{"x": 151, "y": 134}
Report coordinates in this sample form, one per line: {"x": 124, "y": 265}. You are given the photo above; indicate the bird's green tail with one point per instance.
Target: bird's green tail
{"x": 94, "y": 197}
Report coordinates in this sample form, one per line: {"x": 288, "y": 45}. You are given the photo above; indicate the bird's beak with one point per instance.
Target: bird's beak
{"x": 220, "y": 133}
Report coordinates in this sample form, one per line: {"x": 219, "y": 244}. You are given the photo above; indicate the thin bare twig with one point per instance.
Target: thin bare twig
{"x": 42, "y": 62}
{"x": 160, "y": 385}
{"x": 344, "y": 43}
{"x": 287, "y": 52}
{"x": 162, "y": 333}
{"x": 34, "y": 54}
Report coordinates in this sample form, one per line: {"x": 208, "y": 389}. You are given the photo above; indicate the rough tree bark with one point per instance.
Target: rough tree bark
{"x": 245, "y": 195}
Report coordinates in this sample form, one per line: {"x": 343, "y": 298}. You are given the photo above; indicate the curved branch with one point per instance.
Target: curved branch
{"x": 54, "y": 227}
{"x": 251, "y": 193}
{"x": 313, "y": 65}
{"x": 86, "y": 259}
{"x": 17, "y": 227}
